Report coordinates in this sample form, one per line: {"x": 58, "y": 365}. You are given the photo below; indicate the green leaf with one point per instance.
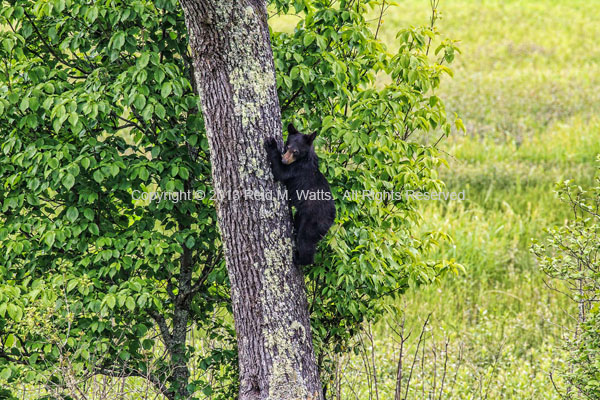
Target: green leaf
{"x": 148, "y": 111}
{"x": 143, "y": 173}
{"x": 49, "y": 239}
{"x": 24, "y": 104}
{"x": 184, "y": 173}
{"x": 10, "y": 340}
{"x": 72, "y": 214}
{"x": 92, "y": 14}
{"x": 111, "y": 301}
{"x": 166, "y": 89}
{"x": 130, "y": 303}
{"x": 56, "y": 125}
{"x": 93, "y": 228}
{"x": 160, "y": 110}
{"x": 130, "y": 247}
{"x": 327, "y": 123}
{"x": 159, "y": 76}
{"x": 14, "y": 312}
{"x": 73, "y": 118}
{"x": 190, "y": 242}
{"x": 118, "y": 40}
{"x": 89, "y": 214}
{"x": 72, "y": 285}
{"x": 140, "y": 101}
{"x": 143, "y": 60}
{"x": 114, "y": 169}
{"x": 141, "y": 77}
{"x": 309, "y": 37}
{"x": 98, "y": 176}
{"x": 68, "y": 181}
{"x": 6, "y": 373}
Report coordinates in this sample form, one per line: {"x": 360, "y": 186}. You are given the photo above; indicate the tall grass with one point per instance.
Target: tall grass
{"x": 527, "y": 86}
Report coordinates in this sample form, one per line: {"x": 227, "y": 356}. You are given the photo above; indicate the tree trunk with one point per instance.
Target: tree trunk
{"x": 235, "y": 76}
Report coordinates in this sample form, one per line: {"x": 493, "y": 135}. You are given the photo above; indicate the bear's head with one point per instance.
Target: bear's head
{"x": 298, "y": 146}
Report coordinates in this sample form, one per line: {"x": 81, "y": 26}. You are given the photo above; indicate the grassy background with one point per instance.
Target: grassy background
{"x": 527, "y": 86}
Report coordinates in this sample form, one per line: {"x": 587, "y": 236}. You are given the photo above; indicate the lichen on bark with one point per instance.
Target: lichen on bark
{"x": 279, "y": 341}
{"x": 250, "y": 80}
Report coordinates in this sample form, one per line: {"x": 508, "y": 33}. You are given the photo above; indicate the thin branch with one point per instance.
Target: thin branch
{"x": 380, "y": 18}
{"x": 164, "y": 329}
{"x": 51, "y": 50}
{"x": 416, "y": 353}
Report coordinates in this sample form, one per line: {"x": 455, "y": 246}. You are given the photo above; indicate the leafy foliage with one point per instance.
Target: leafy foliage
{"x": 570, "y": 254}
{"x": 97, "y": 107}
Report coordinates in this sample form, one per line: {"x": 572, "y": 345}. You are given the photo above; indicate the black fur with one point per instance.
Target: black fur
{"x": 307, "y": 189}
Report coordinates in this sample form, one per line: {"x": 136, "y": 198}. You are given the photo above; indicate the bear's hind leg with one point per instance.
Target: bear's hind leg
{"x": 307, "y": 237}
{"x": 305, "y": 249}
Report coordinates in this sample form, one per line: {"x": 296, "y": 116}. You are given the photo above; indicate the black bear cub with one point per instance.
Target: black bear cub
{"x": 308, "y": 191}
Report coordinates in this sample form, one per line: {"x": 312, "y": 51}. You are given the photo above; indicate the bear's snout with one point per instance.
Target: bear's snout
{"x": 288, "y": 158}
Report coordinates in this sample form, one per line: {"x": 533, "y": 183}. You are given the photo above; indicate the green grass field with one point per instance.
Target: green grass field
{"x": 527, "y": 86}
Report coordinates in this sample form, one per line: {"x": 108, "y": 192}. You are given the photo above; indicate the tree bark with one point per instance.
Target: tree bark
{"x": 235, "y": 77}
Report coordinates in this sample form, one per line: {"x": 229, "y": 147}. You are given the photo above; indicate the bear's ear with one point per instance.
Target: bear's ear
{"x": 310, "y": 138}
{"x": 292, "y": 130}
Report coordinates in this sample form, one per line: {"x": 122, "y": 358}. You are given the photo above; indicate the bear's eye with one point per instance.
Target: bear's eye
{"x": 296, "y": 152}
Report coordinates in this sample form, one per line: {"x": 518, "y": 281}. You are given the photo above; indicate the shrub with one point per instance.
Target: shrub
{"x": 571, "y": 256}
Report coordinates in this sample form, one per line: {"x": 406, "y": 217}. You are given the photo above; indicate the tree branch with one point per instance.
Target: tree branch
{"x": 51, "y": 50}
{"x": 164, "y": 328}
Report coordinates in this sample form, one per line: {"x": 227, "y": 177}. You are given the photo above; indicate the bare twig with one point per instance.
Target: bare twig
{"x": 416, "y": 354}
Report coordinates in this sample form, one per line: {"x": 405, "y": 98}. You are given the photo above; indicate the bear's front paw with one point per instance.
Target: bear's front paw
{"x": 271, "y": 145}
